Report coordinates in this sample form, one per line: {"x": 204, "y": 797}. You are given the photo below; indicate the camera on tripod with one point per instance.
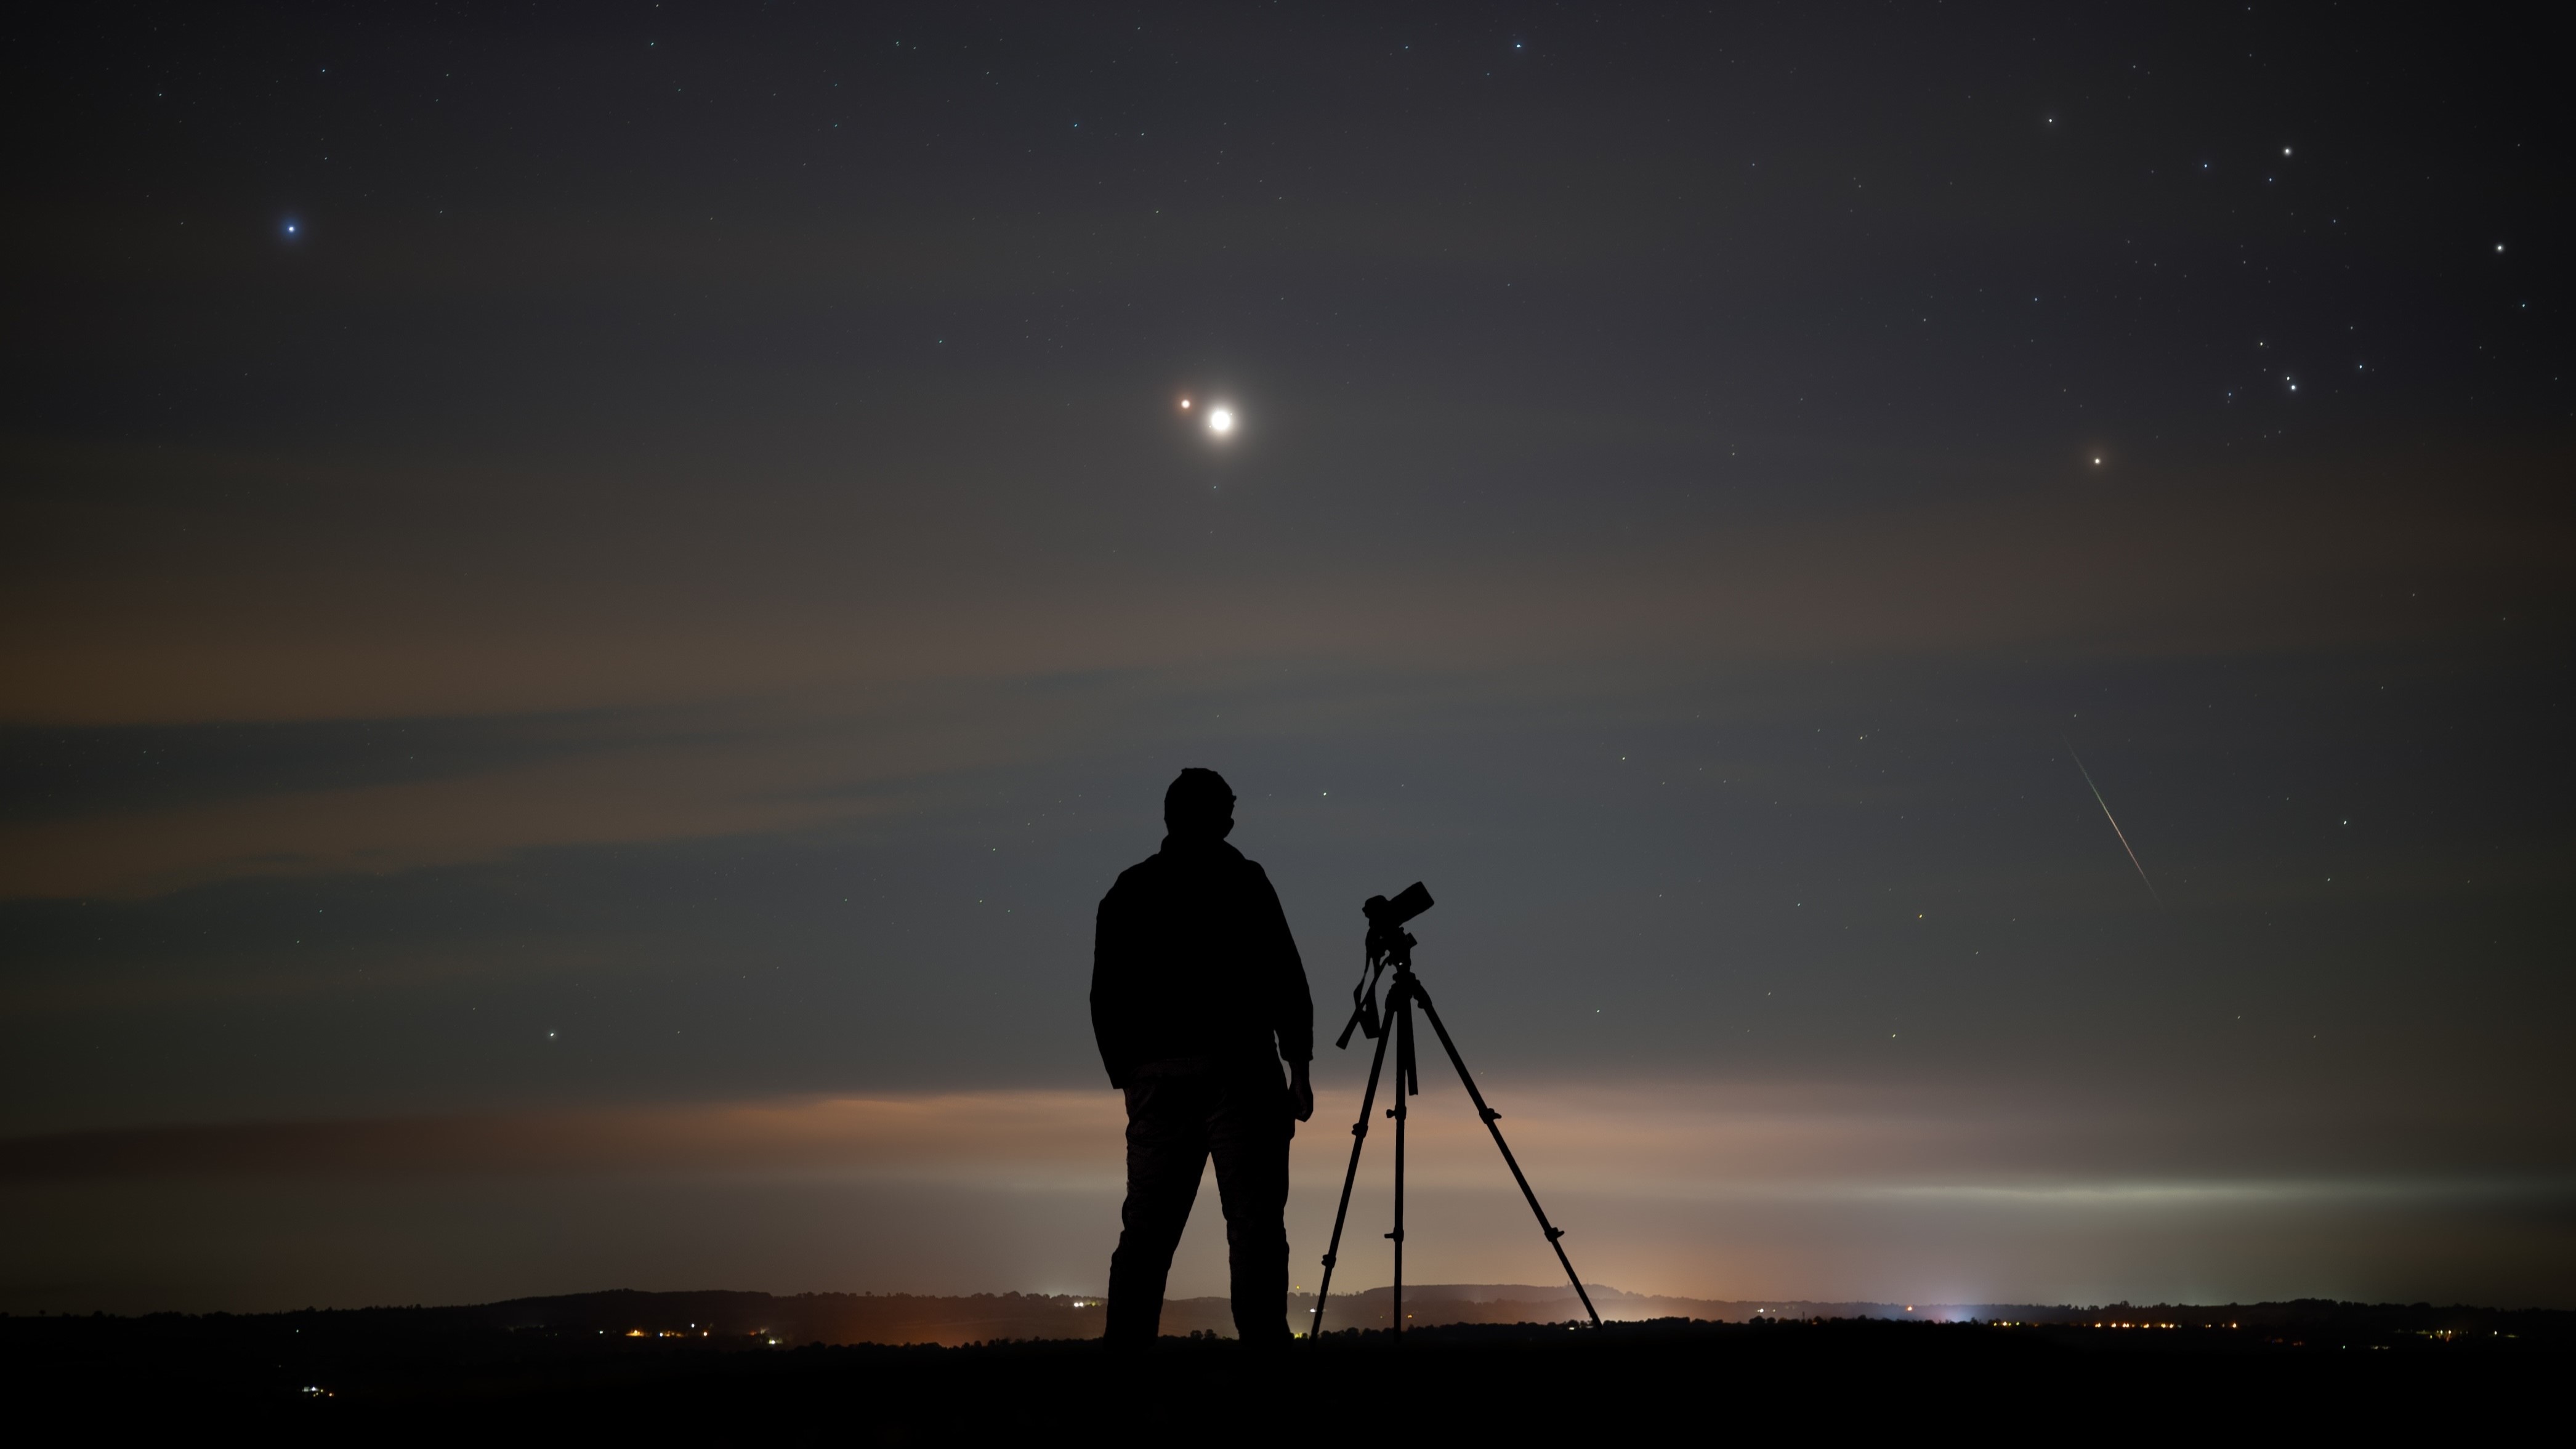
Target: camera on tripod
{"x": 1386, "y": 918}
{"x": 1390, "y": 945}
{"x": 1388, "y": 914}
{"x": 1388, "y": 942}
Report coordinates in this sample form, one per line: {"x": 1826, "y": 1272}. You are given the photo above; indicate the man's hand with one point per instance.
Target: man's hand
{"x": 1301, "y": 1092}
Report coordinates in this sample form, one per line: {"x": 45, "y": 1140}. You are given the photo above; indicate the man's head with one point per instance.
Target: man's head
{"x": 1199, "y": 806}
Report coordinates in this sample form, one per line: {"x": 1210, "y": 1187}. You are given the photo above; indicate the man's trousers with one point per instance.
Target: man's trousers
{"x": 1240, "y": 1116}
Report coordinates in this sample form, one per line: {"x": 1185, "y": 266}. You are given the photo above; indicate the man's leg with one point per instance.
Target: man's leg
{"x": 1249, "y": 1139}
{"x": 1167, "y": 1144}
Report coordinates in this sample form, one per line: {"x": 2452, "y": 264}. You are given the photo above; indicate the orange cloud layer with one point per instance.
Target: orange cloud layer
{"x": 1683, "y": 1139}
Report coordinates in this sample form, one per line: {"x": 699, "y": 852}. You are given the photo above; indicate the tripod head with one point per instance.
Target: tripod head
{"x": 1387, "y": 938}
{"x": 1388, "y": 944}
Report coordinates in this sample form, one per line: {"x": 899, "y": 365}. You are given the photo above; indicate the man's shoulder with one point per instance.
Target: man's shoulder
{"x": 1160, "y": 869}
{"x": 1139, "y": 876}
{"x": 1243, "y": 868}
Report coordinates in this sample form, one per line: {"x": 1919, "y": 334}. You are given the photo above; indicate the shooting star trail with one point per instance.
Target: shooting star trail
{"x": 2115, "y": 822}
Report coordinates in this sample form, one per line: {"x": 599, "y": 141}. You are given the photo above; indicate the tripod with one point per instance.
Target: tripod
{"x": 1390, "y": 946}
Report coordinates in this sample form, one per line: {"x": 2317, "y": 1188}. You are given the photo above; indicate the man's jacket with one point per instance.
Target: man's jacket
{"x": 1193, "y": 965}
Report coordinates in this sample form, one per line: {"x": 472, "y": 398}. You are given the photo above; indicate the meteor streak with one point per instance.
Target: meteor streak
{"x": 2115, "y": 822}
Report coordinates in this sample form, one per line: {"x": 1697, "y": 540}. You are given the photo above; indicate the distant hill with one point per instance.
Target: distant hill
{"x": 840, "y": 1318}
{"x": 800, "y": 1318}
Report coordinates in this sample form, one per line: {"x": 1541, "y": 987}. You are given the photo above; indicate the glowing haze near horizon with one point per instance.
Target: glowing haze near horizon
{"x": 592, "y": 602}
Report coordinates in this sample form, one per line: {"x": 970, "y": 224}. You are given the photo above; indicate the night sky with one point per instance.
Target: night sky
{"x": 591, "y": 596}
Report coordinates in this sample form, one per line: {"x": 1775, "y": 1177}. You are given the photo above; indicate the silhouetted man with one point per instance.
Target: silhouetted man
{"x": 1196, "y": 996}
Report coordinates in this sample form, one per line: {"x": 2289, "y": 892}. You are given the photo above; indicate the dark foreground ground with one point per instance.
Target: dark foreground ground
{"x": 390, "y": 1373}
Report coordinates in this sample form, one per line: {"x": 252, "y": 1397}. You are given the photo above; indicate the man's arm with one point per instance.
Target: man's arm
{"x": 1112, "y": 978}
{"x": 1290, "y": 1004}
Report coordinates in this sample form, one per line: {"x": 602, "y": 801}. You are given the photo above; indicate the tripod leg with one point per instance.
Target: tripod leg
{"x": 1359, "y": 1137}
{"x": 1554, "y": 1233}
{"x": 1401, "y": 1028}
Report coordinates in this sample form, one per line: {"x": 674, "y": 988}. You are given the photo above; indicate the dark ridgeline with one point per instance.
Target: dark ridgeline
{"x": 834, "y": 1318}
{"x": 903, "y": 1318}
